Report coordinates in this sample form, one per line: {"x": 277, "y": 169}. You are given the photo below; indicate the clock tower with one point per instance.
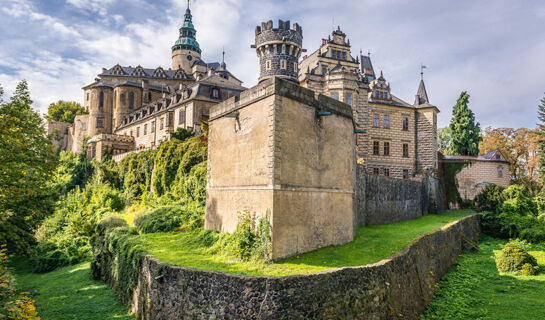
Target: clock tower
{"x": 186, "y": 50}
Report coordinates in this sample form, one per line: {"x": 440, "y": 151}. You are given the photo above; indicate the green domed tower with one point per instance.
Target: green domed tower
{"x": 186, "y": 49}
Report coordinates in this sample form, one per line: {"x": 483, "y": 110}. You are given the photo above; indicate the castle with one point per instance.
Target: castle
{"x": 290, "y": 149}
{"x": 135, "y": 108}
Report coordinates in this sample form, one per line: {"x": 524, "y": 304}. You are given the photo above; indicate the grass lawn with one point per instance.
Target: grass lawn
{"x": 474, "y": 289}
{"x": 69, "y": 293}
{"x": 372, "y": 244}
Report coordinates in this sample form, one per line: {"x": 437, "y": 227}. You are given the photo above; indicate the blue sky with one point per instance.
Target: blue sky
{"x": 493, "y": 49}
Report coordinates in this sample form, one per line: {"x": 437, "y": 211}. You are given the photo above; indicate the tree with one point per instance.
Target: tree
{"x": 443, "y": 139}
{"x": 64, "y": 111}
{"x": 541, "y": 142}
{"x": 464, "y": 130}
{"x": 27, "y": 161}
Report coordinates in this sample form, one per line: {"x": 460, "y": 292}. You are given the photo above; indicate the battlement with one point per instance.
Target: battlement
{"x": 282, "y": 25}
{"x": 282, "y": 88}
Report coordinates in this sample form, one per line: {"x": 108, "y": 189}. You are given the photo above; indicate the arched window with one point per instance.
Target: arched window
{"x": 101, "y": 100}
{"x": 131, "y": 100}
{"x": 500, "y": 172}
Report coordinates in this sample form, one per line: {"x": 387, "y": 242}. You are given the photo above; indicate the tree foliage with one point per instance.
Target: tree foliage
{"x": 464, "y": 130}
{"x": 541, "y": 141}
{"x": 64, "y": 111}
{"x": 444, "y": 139}
{"x": 27, "y": 161}
{"x": 518, "y": 146}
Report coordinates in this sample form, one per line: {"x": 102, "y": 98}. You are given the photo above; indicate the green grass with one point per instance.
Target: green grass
{"x": 69, "y": 293}
{"x": 371, "y": 244}
{"x": 474, "y": 289}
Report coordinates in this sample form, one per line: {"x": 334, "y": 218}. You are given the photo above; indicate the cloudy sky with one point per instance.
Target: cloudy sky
{"x": 494, "y": 49}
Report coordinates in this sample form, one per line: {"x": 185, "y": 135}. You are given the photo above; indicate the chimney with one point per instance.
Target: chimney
{"x": 145, "y": 91}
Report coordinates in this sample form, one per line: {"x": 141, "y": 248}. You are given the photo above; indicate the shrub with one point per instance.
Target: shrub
{"x": 169, "y": 218}
{"x": 490, "y": 199}
{"x": 517, "y": 201}
{"x": 512, "y": 257}
{"x": 111, "y": 222}
{"x": 251, "y": 240}
{"x": 528, "y": 270}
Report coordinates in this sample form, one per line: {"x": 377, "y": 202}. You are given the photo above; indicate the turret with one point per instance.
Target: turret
{"x": 186, "y": 49}
{"x": 278, "y": 49}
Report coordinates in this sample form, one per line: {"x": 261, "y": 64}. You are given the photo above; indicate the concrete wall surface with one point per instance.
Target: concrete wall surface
{"x": 398, "y": 287}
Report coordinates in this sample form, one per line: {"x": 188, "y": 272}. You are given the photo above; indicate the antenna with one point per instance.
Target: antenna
{"x": 188, "y": 4}
{"x": 223, "y": 53}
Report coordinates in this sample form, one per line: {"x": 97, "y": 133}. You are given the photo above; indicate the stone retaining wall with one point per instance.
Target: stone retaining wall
{"x": 398, "y": 287}
{"x": 381, "y": 200}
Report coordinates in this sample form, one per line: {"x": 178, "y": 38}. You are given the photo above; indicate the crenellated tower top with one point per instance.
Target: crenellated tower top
{"x": 278, "y": 49}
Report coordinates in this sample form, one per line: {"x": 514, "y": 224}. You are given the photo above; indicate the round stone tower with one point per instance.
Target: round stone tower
{"x": 278, "y": 49}
{"x": 186, "y": 49}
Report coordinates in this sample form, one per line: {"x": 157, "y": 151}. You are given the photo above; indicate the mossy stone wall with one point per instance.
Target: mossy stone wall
{"x": 398, "y": 287}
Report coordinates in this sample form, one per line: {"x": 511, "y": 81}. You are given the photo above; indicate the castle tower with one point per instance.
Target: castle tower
{"x": 186, "y": 49}
{"x": 278, "y": 49}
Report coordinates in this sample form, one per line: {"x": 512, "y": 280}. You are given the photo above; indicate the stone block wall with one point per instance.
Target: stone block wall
{"x": 398, "y": 287}
{"x": 381, "y": 200}
{"x": 472, "y": 177}
{"x": 274, "y": 156}
{"x": 426, "y": 140}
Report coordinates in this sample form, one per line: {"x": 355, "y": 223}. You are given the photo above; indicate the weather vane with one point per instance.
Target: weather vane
{"x": 422, "y": 67}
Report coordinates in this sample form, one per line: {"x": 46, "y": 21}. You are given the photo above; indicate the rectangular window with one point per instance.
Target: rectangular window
{"x": 268, "y": 65}
{"x": 283, "y": 64}
{"x": 132, "y": 134}
{"x": 386, "y": 172}
{"x": 145, "y": 129}
{"x": 405, "y": 174}
{"x": 335, "y": 95}
{"x": 386, "y": 148}
{"x": 324, "y": 70}
{"x": 83, "y": 126}
{"x": 170, "y": 119}
{"x": 338, "y": 55}
{"x": 376, "y": 171}
{"x": 100, "y": 122}
{"x": 405, "y": 124}
{"x": 348, "y": 99}
{"x": 181, "y": 117}
{"x": 376, "y": 148}
{"x": 344, "y": 55}
{"x": 386, "y": 121}
{"x": 137, "y": 132}
{"x": 87, "y": 96}
{"x": 333, "y": 53}
{"x": 153, "y": 126}
{"x": 161, "y": 123}
{"x": 500, "y": 172}
{"x": 376, "y": 120}
{"x": 295, "y": 67}
{"x": 405, "y": 150}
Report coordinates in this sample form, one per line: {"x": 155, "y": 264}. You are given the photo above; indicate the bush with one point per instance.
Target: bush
{"x": 490, "y": 199}
{"x": 512, "y": 257}
{"x": 111, "y": 222}
{"x": 528, "y": 270}
{"x": 251, "y": 240}
{"x": 168, "y": 218}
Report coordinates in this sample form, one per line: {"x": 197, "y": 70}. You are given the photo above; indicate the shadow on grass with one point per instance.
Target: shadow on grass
{"x": 69, "y": 293}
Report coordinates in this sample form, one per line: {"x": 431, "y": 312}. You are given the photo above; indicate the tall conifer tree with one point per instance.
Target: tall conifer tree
{"x": 464, "y": 131}
{"x": 541, "y": 142}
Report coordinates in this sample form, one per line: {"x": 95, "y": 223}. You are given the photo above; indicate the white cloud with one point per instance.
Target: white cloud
{"x": 471, "y": 46}
{"x": 98, "y": 6}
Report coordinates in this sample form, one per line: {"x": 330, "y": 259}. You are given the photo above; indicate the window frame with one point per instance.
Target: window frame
{"x": 347, "y": 100}
{"x": 335, "y": 95}
{"x": 405, "y": 124}
{"x": 386, "y": 172}
{"x": 405, "y": 150}
{"x": 386, "y": 121}
{"x": 405, "y": 173}
{"x": 100, "y": 122}
{"x": 376, "y": 120}
{"x": 386, "y": 148}
{"x": 376, "y": 148}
